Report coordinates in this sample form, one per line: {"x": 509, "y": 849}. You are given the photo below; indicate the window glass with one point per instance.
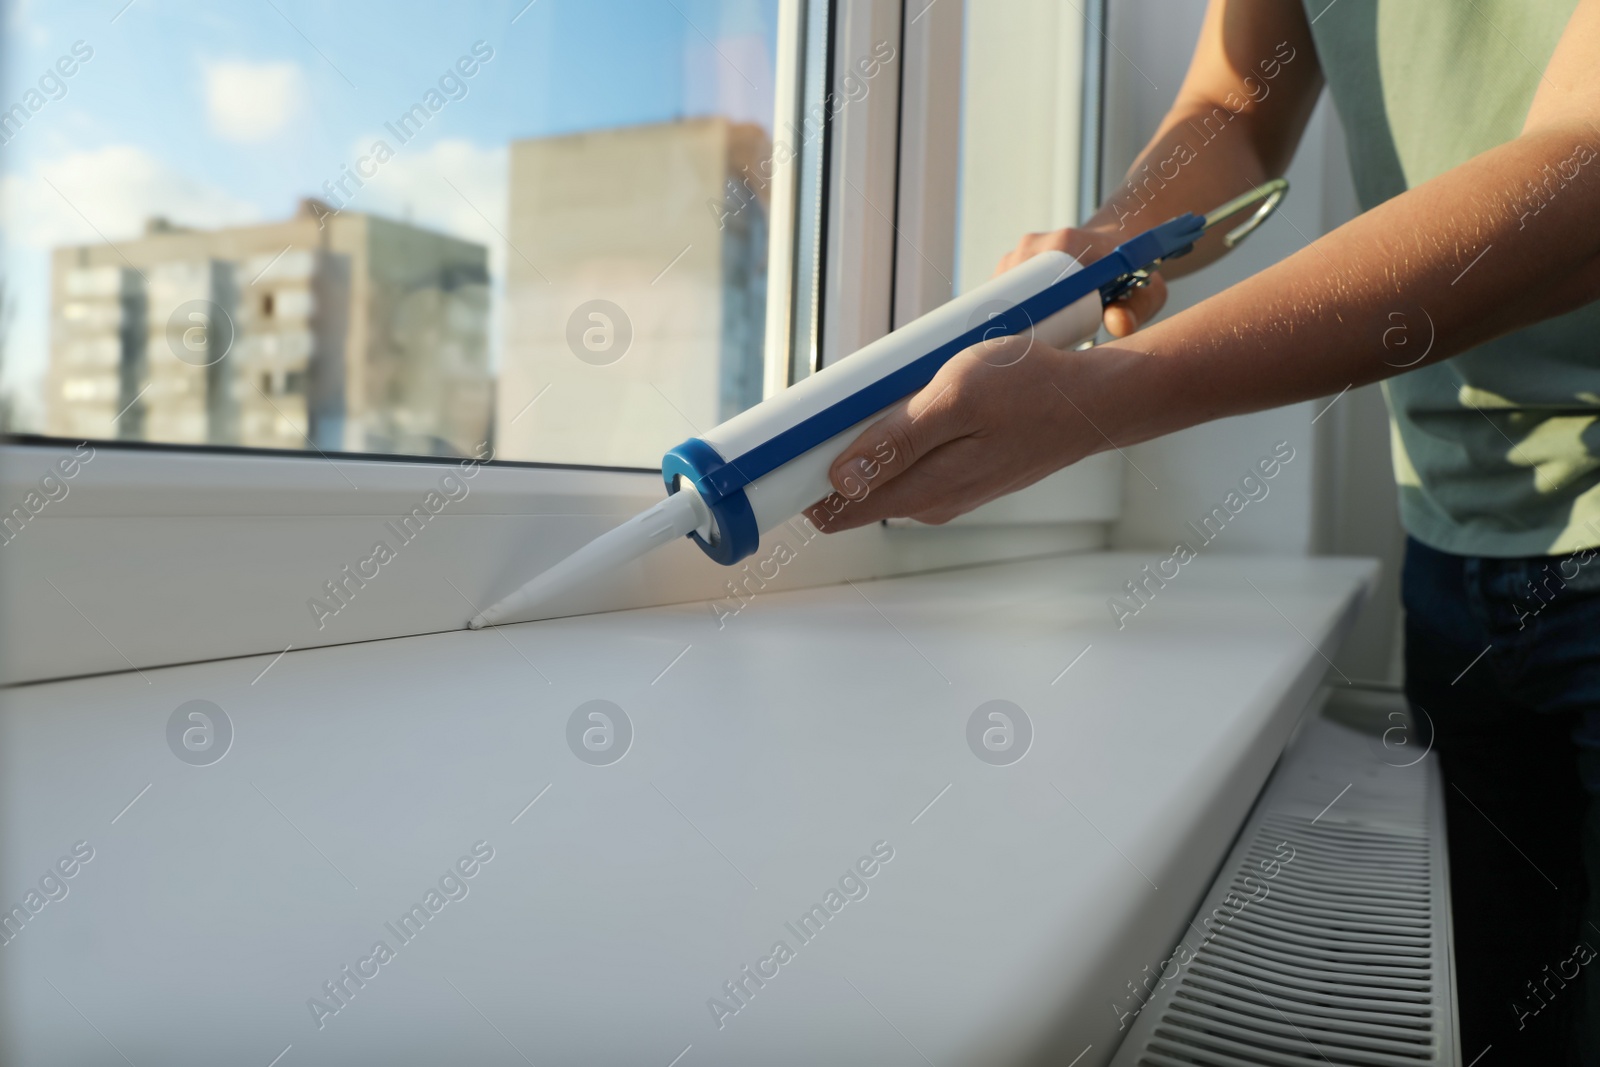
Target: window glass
{"x": 397, "y": 227}
{"x": 1021, "y": 128}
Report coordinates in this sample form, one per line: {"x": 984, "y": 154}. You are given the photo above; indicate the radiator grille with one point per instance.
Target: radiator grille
{"x": 1338, "y": 954}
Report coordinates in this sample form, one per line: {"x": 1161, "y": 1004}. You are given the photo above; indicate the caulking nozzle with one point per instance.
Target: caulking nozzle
{"x": 676, "y": 516}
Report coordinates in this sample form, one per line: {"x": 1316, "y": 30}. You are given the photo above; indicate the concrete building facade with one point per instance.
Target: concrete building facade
{"x": 342, "y": 332}
{"x": 635, "y": 289}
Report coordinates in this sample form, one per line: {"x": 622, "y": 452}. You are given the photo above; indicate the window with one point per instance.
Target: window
{"x": 288, "y": 269}
{"x": 1009, "y": 147}
{"x": 1022, "y": 101}
{"x": 529, "y": 226}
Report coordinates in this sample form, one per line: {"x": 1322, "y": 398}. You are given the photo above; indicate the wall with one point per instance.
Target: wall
{"x": 1336, "y": 497}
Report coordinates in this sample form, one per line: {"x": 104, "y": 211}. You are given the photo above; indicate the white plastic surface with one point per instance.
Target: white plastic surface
{"x": 767, "y": 756}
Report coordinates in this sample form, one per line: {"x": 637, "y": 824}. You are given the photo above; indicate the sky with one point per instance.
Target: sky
{"x": 222, "y": 112}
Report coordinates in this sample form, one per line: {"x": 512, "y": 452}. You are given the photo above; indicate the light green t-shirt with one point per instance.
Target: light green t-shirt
{"x": 1497, "y": 451}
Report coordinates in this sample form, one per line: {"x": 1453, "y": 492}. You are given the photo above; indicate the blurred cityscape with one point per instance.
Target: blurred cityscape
{"x": 342, "y": 332}
{"x": 345, "y": 331}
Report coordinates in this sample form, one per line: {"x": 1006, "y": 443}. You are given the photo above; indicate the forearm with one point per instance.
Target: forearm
{"x": 1202, "y": 156}
{"x": 1476, "y": 252}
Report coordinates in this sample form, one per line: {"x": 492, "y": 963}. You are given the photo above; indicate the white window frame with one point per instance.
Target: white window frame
{"x": 163, "y": 555}
{"x": 927, "y": 217}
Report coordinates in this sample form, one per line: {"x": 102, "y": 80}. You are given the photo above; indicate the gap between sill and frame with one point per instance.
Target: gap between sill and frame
{"x": 1032, "y": 557}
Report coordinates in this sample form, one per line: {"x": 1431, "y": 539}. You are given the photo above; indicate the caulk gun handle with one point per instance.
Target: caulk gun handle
{"x": 1142, "y": 254}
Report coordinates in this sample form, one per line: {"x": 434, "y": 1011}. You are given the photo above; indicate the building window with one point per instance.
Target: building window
{"x": 550, "y": 237}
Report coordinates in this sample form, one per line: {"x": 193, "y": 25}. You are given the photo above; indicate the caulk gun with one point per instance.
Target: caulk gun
{"x": 765, "y": 465}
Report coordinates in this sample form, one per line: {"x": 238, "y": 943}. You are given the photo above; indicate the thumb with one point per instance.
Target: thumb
{"x": 1137, "y": 308}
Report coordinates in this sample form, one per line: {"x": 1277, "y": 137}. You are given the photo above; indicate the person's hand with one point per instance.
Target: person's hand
{"x": 997, "y": 417}
{"x": 1122, "y": 316}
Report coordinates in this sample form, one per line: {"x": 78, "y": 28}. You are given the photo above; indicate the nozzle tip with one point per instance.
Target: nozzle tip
{"x": 477, "y": 622}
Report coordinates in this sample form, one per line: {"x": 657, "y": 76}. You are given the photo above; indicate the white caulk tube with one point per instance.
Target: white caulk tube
{"x": 767, "y": 464}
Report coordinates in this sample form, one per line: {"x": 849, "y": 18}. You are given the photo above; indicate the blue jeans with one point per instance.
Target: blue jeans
{"x": 1503, "y": 664}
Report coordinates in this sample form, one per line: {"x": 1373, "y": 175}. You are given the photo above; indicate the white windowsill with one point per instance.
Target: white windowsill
{"x": 768, "y": 756}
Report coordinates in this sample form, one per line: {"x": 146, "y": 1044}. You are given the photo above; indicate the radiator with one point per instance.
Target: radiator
{"x": 1325, "y": 938}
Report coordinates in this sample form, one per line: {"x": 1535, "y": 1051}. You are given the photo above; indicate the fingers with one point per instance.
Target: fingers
{"x": 885, "y": 450}
{"x": 950, "y": 480}
{"x": 1084, "y": 245}
{"x": 922, "y": 492}
{"x": 1137, "y": 308}
{"x": 1121, "y": 318}
{"x": 1033, "y": 244}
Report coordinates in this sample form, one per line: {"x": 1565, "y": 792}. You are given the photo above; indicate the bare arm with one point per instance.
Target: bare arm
{"x": 1507, "y": 239}
{"x": 1237, "y": 118}
{"x": 1315, "y": 323}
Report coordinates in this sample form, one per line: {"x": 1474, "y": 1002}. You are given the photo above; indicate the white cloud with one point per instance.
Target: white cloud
{"x": 109, "y": 193}
{"x": 25, "y": 26}
{"x": 249, "y": 102}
